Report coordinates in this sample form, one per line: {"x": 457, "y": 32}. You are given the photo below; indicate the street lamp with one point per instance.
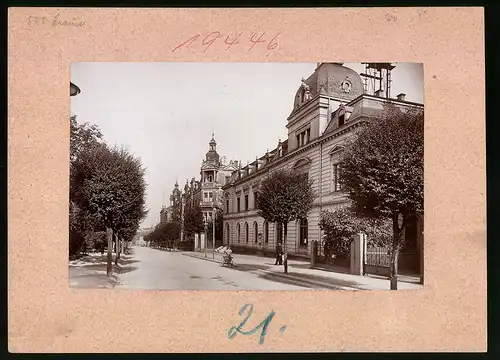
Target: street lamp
{"x": 206, "y": 235}
{"x": 73, "y": 89}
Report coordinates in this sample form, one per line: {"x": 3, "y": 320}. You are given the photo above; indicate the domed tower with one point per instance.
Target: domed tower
{"x": 212, "y": 155}
{"x": 329, "y": 86}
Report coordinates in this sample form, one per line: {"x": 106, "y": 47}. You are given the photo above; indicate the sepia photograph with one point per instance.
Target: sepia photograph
{"x": 246, "y": 176}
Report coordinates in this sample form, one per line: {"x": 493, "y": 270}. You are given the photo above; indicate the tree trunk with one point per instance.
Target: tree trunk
{"x": 395, "y": 252}
{"x": 285, "y": 257}
{"x": 109, "y": 234}
{"x": 118, "y": 249}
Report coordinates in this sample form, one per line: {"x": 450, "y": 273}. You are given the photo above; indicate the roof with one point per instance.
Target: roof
{"x": 333, "y": 80}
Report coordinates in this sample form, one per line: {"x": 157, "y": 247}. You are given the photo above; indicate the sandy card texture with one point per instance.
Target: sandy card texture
{"x": 46, "y": 315}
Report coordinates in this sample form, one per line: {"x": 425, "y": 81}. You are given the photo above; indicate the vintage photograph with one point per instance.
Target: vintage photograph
{"x": 246, "y": 176}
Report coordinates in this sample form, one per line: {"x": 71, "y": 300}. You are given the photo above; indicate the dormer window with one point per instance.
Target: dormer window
{"x": 341, "y": 119}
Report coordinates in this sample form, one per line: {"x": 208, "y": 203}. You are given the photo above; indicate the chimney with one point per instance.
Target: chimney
{"x": 401, "y": 97}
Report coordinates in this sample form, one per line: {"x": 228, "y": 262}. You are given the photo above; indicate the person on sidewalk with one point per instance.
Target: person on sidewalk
{"x": 279, "y": 252}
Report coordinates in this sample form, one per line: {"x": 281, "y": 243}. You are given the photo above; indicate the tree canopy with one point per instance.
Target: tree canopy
{"x": 285, "y": 196}
{"x": 382, "y": 169}
{"x": 193, "y": 219}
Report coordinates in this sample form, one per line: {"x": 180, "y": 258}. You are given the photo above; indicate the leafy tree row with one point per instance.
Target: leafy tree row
{"x": 164, "y": 235}
{"x": 107, "y": 192}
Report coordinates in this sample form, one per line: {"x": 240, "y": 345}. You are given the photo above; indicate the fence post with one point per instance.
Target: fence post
{"x": 357, "y": 254}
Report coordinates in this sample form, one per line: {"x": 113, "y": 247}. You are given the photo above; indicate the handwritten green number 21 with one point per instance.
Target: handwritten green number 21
{"x": 263, "y": 325}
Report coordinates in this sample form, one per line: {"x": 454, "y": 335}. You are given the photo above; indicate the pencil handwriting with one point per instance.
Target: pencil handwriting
{"x": 56, "y": 21}
{"x": 226, "y": 41}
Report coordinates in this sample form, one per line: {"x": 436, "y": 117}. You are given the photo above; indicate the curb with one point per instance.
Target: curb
{"x": 291, "y": 277}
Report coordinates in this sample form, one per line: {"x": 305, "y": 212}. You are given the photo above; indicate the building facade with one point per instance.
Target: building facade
{"x": 206, "y": 192}
{"x": 173, "y": 211}
{"x": 327, "y": 107}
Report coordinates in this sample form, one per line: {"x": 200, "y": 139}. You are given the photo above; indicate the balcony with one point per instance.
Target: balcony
{"x": 206, "y": 204}
{"x": 210, "y": 185}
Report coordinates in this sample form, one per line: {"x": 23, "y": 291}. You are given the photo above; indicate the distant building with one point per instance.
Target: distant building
{"x": 173, "y": 211}
{"x": 327, "y": 107}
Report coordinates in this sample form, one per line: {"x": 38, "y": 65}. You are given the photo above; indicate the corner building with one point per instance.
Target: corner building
{"x": 328, "y": 106}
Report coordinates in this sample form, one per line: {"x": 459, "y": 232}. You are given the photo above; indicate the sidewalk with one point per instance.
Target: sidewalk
{"x": 300, "y": 273}
{"x": 89, "y": 272}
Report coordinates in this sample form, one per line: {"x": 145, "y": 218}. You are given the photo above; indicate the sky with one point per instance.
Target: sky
{"x": 165, "y": 112}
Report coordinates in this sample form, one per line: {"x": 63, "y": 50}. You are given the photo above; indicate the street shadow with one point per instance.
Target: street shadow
{"x": 310, "y": 281}
{"x": 251, "y": 267}
{"x": 126, "y": 269}
{"x": 323, "y": 267}
{"x": 125, "y": 262}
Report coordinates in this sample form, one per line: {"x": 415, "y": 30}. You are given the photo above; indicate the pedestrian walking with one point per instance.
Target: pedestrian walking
{"x": 279, "y": 252}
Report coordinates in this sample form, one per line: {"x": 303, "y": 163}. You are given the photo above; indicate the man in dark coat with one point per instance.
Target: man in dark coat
{"x": 279, "y": 252}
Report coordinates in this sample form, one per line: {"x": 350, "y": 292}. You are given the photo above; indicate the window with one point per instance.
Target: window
{"x": 255, "y": 232}
{"x": 303, "y": 232}
{"x": 210, "y": 196}
{"x": 279, "y": 233}
{"x": 238, "y": 205}
{"x": 266, "y": 233}
{"x": 304, "y": 138}
{"x": 238, "y": 232}
{"x": 336, "y": 180}
{"x": 246, "y": 233}
{"x": 205, "y": 195}
{"x": 227, "y": 234}
{"x": 246, "y": 202}
{"x": 255, "y": 194}
{"x": 341, "y": 119}
{"x": 228, "y": 178}
{"x": 227, "y": 206}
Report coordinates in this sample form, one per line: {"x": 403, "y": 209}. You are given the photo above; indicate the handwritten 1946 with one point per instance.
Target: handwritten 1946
{"x": 229, "y": 40}
{"x": 234, "y": 330}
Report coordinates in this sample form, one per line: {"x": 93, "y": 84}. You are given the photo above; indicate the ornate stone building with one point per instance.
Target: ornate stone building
{"x": 173, "y": 211}
{"x": 205, "y": 192}
{"x": 327, "y": 107}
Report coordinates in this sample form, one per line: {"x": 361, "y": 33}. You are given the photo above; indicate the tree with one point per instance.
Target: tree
{"x": 340, "y": 227}
{"x": 219, "y": 225}
{"x": 82, "y": 136}
{"x": 285, "y": 196}
{"x": 172, "y": 232}
{"x": 382, "y": 171}
{"x": 193, "y": 220}
{"x": 108, "y": 184}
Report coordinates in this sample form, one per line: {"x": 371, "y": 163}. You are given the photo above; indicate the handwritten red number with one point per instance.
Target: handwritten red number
{"x": 235, "y": 41}
{"x": 273, "y": 45}
{"x": 210, "y": 42}
{"x": 190, "y": 41}
{"x": 256, "y": 41}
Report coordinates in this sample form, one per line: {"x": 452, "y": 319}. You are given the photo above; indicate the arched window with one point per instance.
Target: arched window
{"x": 246, "y": 233}
{"x": 266, "y": 233}
{"x": 302, "y": 167}
{"x": 255, "y": 232}
{"x": 227, "y": 234}
{"x": 279, "y": 232}
{"x": 303, "y": 232}
{"x": 238, "y": 232}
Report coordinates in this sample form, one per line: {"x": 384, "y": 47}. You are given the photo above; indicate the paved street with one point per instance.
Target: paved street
{"x": 148, "y": 268}
{"x": 151, "y": 268}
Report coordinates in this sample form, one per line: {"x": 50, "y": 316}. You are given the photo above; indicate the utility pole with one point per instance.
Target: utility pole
{"x": 213, "y": 226}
